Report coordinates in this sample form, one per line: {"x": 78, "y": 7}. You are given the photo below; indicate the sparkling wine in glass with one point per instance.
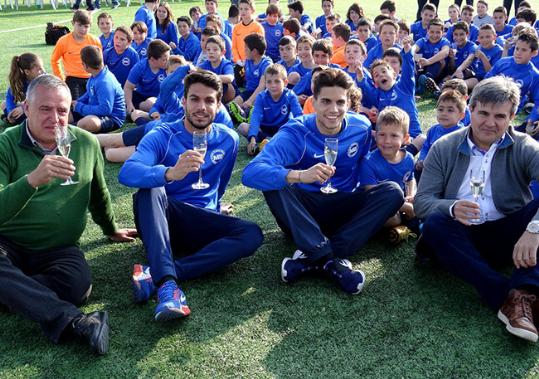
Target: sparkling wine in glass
{"x": 331, "y": 147}
{"x": 477, "y": 185}
{"x": 200, "y": 145}
{"x": 63, "y": 143}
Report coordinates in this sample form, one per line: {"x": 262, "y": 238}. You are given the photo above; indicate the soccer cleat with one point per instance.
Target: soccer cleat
{"x": 294, "y": 268}
{"x": 94, "y": 329}
{"x": 236, "y": 112}
{"x": 172, "y": 302}
{"x": 341, "y": 271}
{"x": 143, "y": 287}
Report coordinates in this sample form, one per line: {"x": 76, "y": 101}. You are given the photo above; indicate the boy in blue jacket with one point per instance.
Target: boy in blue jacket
{"x": 102, "y": 108}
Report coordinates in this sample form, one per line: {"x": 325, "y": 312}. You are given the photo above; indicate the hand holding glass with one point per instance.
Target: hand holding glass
{"x": 63, "y": 143}
{"x": 477, "y": 184}
{"x": 200, "y": 145}
{"x": 331, "y": 147}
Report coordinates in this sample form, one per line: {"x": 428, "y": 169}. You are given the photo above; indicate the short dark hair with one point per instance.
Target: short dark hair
{"x": 462, "y": 25}
{"x": 389, "y": 5}
{"x": 343, "y": 31}
{"x": 429, "y": 7}
{"x": 233, "y": 11}
{"x": 255, "y": 41}
{"x": 292, "y": 25}
{"x": 529, "y": 37}
{"x": 403, "y": 25}
{"x": 82, "y": 17}
{"x": 457, "y": 85}
{"x": 435, "y": 22}
{"x": 104, "y": 15}
{"x": 393, "y": 52}
{"x": 468, "y": 8}
{"x": 524, "y": 4}
{"x": 527, "y": 15}
{"x": 185, "y": 19}
{"x": 92, "y": 57}
{"x": 356, "y": 42}
{"x": 454, "y": 96}
{"x": 125, "y": 30}
{"x": 248, "y": 2}
{"x": 332, "y": 77}
{"x": 390, "y": 23}
{"x": 194, "y": 9}
{"x": 208, "y": 32}
{"x": 297, "y": 6}
{"x": 364, "y": 22}
{"x": 500, "y": 9}
{"x": 380, "y": 18}
{"x": 140, "y": 26}
{"x": 323, "y": 45}
{"x": 157, "y": 48}
{"x": 206, "y": 78}
{"x": 287, "y": 40}
{"x": 218, "y": 41}
{"x": 273, "y": 9}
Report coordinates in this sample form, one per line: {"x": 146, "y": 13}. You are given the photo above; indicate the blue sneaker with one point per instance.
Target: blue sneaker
{"x": 294, "y": 268}
{"x": 143, "y": 287}
{"x": 172, "y": 303}
{"x": 341, "y": 271}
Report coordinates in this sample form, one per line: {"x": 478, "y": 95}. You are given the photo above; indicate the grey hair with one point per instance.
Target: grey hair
{"x": 47, "y": 81}
{"x": 496, "y": 90}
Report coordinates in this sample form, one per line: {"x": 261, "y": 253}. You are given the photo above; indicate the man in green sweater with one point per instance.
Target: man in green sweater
{"x": 43, "y": 273}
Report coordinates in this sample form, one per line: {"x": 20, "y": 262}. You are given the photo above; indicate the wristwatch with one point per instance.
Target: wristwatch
{"x": 533, "y": 227}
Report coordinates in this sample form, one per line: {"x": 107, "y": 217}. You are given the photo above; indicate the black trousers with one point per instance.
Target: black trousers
{"x": 44, "y": 286}
{"x": 507, "y": 5}
{"x": 77, "y": 86}
{"x": 421, "y": 4}
{"x": 459, "y": 2}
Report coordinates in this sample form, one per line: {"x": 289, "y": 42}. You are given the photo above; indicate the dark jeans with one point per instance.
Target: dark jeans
{"x": 459, "y": 2}
{"x": 77, "y": 86}
{"x": 45, "y": 285}
{"x": 475, "y": 253}
{"x": 507, "y": 5}
{"x": 184, "y": 241}
{"x": 333, "y": 225}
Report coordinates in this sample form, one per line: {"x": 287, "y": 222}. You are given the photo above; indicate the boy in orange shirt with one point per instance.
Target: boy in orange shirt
{"x": 246, "y": 26}
{"x": 340, "y": 34}
{"x": 68, "y": 49}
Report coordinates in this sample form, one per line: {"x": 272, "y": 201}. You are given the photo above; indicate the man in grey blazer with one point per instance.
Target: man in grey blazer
{"x": 473, "y": 237}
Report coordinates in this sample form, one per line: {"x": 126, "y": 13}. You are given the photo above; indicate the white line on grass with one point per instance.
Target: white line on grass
{"x": 32, "y": 27}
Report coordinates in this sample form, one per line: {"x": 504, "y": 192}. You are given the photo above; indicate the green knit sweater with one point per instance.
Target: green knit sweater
{"x": 51, "y": 215}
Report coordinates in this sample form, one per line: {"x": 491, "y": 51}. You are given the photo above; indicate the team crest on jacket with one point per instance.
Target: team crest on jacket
{"x": 143, "y": 52}
{"x": 217, "y": 156}
{"x": 284, "y": 109}
{"x": 126, "y": 61}
{"x": 161, "y": 77}
{"x": 352, "y": 149}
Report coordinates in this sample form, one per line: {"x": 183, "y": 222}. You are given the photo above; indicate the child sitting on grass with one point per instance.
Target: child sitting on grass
{"x": 273, "y": 108}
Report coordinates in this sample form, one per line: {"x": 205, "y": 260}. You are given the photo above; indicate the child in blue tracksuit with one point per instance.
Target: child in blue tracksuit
{"x": 140, "y": 41}
{"x": 184, "y": 234}
{"x": 167, "y": 30}
{"x": 121, "y": 57}
{"x": 273, "y": 31}
{"x": 104, "y": 22}
{"x": 272, "y": 109}
{"x": 521, "y": 70}
{"x": 102, "y": 107}
{"x": 142, "y": 85}
{"x": 419, "y": 28}
{"x": 24, "y": 68}
{"x": 291, "y": 170}
{"x": 217, "y": 63}
{"x": 388, "y": 89}
{"x": 449, "y": 114}
{"x": 146, "y": 15}
{"x": 287, "y": 53}
{"x": 390, "y": 163}
{"x": 188, "y": 43}
{"x": 388, "y": 38}
{"x": 461, "y": 49}
{"x": 434, "y": 49}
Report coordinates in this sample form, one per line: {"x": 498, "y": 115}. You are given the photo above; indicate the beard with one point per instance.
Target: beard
{"x": 198, "y": 125}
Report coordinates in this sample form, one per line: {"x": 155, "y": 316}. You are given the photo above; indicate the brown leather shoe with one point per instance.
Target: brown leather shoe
{"x": 516, "y": 314}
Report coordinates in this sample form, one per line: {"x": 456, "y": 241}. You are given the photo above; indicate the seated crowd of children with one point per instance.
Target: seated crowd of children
{"x": 267, "y": 62}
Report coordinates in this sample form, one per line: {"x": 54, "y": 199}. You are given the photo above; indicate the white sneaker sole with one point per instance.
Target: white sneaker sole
{"x": 360, "y": 285}
{"x": 522, "y": 333}
{"x": 283, "y": 271}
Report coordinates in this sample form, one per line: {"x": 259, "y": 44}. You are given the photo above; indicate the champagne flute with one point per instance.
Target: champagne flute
{"x": 331, "y": 147}
{"x": 63, "y": 143}
{"x": 477, "y": 185}
{"x": 200, "y": 145}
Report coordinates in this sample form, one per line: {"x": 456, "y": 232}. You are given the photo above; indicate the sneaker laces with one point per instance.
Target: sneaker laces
{"x": 525, "y": 310}
{"x": 167, "y": 291}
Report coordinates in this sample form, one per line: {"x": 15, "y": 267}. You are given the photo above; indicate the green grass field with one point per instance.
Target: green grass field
{"x": 408, "y": 322}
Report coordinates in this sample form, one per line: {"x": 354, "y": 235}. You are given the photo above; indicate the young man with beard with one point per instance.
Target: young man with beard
{"x": 184, "y": 234}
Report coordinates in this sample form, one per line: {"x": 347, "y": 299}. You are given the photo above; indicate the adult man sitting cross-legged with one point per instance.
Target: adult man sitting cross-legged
{"x": 290, "y": 171}
{"x": 183, "y": 232}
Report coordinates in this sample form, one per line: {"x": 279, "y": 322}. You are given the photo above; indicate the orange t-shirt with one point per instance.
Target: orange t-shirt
{"x": 239, "y": 32}
{"x": 67, "y": 50}
{"x": 308, "y": 106}
{"x": 338, "y": 56}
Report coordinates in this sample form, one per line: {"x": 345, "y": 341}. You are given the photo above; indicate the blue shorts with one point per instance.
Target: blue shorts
{"x": 246, "y": 94}
{"x": 108, "y": 124}
{"x": 138, "y": 98}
